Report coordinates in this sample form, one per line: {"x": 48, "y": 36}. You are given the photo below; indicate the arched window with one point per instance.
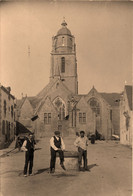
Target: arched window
{"x": 60, "y": 106}
{"x": 62, "y": 64}
{"x": 95, "y": 106}
{"x": 62, "y": 41}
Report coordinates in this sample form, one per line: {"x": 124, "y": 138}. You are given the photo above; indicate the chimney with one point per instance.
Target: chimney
{"x": 9, "y": 89}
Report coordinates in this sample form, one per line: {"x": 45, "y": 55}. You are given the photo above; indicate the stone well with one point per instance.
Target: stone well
{"x": 71, "y": 160}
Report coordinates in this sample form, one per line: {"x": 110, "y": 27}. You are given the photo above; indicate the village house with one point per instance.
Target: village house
{"x": 126, "y": 116}
{"x": 7, "y": 116}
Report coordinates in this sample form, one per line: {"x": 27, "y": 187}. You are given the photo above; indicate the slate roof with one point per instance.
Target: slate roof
{"x": 112, "y": 98}
{"x": 20, "y": 102}
{"x": 33, "y": 101}
{"x": 129, "y": 92}
{"x": 44, "y": 91}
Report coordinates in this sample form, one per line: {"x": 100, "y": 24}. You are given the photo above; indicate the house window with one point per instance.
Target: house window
{"x": 3, "y": 127}
{"x": 12, "y": 111}
{"x": 9, "y": 126}
{"x": 47, "y": 118}
{"x": 14, "y": 115}
{"x": 5, "y": 107}
{"x": 111, "y": 115}
{"x": 82, "y": 117}
{"x": 63, "y": 64}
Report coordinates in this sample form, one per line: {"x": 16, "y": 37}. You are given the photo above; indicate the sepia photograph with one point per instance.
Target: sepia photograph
{"x": 66, "y": 98}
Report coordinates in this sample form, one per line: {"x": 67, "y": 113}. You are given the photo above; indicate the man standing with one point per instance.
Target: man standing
{"x": 82, "y": 142}
{"x": 28, "y": 147}
{"x": 56, "y": 145}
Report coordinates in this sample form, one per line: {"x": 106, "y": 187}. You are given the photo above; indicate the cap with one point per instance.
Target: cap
{"x": 82, "y": 132}
{"x": 57, "y": 132}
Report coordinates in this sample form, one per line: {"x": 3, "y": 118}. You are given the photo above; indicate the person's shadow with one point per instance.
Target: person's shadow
{"x": 89, "y": 167}
{"x": 42, "y": 170}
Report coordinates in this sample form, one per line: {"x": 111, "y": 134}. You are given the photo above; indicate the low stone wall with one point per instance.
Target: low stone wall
{"x": 71, "y": 160}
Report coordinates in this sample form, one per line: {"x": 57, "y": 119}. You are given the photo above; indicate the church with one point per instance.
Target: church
{"x": 59, "y": 106}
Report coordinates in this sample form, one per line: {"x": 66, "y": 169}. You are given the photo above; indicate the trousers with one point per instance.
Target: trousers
{"x": 53, "y": 158}
{"x": 82, "y": 153}
{"x": 29, "y": 156}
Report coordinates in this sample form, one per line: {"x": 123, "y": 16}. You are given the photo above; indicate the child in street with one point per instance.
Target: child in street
{"x": 81, "y": 143}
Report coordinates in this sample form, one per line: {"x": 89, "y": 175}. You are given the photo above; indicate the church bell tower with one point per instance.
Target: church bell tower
{"x": 63, "y": 58}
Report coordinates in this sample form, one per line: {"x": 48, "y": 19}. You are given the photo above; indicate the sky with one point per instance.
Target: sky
{"x": 103, "y": 36}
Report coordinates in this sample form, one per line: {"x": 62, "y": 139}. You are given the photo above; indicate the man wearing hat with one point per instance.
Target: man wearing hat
{"x": 28, "y": 147}
{"x": 82, "y": 142}
{"x": 56, "y": 145}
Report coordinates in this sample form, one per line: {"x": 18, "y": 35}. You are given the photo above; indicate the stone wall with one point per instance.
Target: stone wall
{"x": 116, "y": 119}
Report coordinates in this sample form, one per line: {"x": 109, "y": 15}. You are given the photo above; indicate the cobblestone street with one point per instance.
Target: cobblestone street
{"x": 110, "y": 173}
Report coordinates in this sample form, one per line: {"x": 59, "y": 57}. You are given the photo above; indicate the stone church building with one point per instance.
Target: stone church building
{"x": 59, "y": 106}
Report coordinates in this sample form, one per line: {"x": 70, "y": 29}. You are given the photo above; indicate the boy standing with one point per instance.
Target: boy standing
{"x": 28, "y": 147}
{"x": 82, "y": 142}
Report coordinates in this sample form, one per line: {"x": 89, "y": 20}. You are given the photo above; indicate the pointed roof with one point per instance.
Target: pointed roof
{"x": 41, "y": 104}
{"x": 20, "y": 102}
{"x": 40, "y": 97}
{"x": 93, "y": 90}
{"x": 31, "y": 100}
{"x": 129, "y": 92}
{"x": 45, "y": 90}
{"x": 111, "y": 98}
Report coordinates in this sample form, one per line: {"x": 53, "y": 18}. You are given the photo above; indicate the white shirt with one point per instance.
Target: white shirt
{"x": 24, "y": 146}
{"x": 52, "y": 143}
{"x": 81, "y": 142}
